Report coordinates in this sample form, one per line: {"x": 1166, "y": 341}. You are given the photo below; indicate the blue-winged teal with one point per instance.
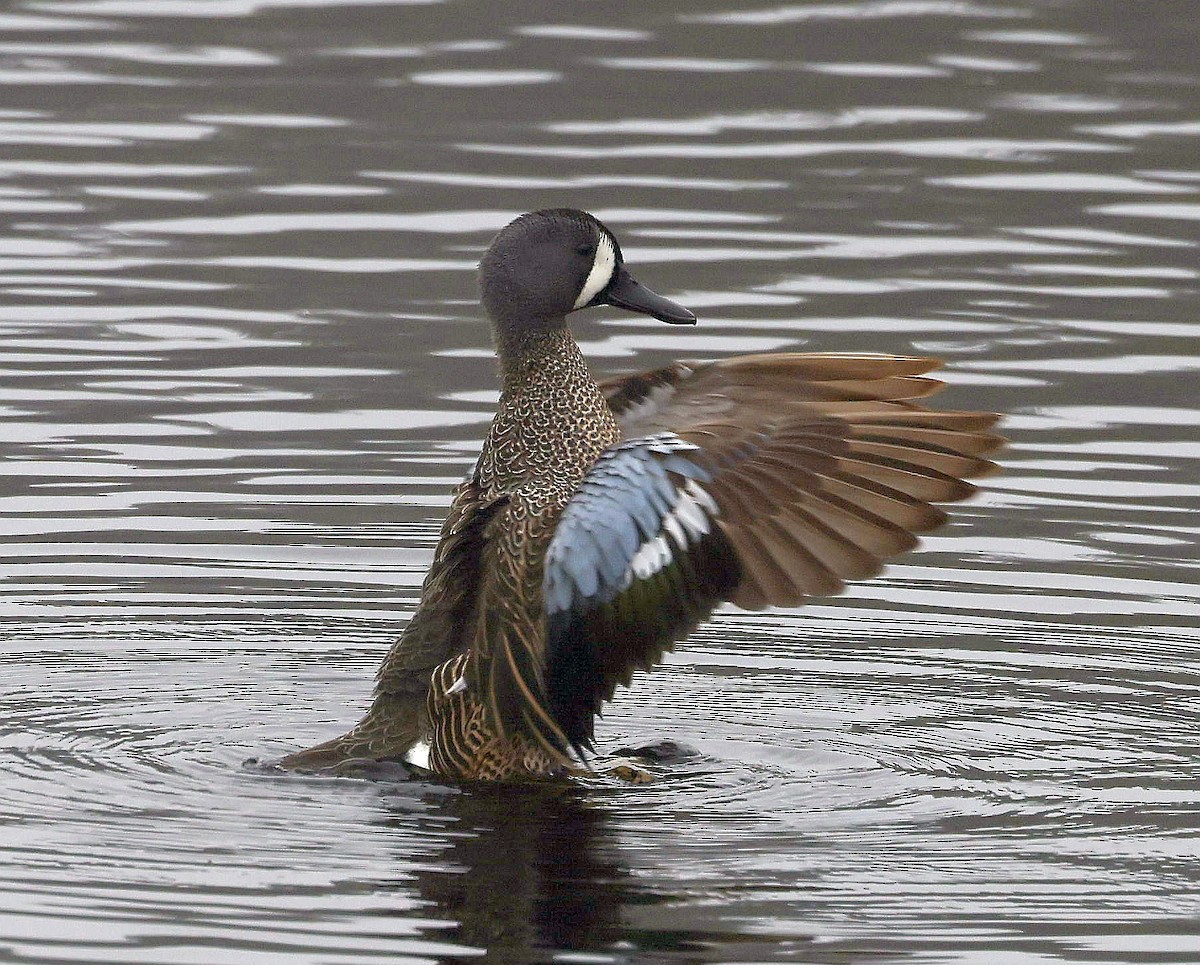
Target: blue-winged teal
{"x": 604, "y": 521}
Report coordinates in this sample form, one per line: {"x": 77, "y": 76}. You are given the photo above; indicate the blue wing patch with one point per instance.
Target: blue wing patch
{"x": 620, "y": 509}
{"x": 636, "y": 561}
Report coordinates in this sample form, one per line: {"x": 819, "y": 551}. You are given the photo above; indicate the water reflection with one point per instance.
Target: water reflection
{"x": 524, "y": 871}
{"x": 531, "y": 873}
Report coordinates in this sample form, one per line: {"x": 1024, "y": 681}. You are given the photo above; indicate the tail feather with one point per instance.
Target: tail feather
{"x": 388, "y": 731}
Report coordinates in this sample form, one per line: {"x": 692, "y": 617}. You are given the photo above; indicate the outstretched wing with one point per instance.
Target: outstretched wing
{"x": 439, "y": 629}
{"x": 443, "y": 622}
{"x": 754, "y": 389}
{"x": 761, "y": 480}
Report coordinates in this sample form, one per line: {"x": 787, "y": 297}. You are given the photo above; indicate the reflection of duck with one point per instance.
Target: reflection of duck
{"x": 525, "y": 868}
{"x": 534, "y": 872}
{"x": 602, "y": 522}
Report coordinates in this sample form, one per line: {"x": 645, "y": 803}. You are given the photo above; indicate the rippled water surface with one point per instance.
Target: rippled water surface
{"x": 241, "y": 366}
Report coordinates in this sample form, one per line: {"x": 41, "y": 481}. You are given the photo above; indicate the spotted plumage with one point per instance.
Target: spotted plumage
{"x": 603, "y": 521}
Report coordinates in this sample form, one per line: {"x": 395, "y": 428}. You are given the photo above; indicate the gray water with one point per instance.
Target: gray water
{"x": 241, "y": 366}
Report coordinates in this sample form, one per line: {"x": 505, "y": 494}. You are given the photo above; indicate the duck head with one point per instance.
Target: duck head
{"x": 547, "y": 264}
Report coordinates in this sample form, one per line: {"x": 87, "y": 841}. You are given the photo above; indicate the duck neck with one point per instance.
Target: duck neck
{"x": 552, "y": 421}
{"x": 531, "y": 354}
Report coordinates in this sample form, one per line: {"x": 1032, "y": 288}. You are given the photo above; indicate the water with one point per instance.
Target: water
{"x": 242, "y": 366}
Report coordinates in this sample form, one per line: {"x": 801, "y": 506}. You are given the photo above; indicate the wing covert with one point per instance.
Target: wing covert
{"x": 441, "y": 626}
{"x": 636, "y": 562}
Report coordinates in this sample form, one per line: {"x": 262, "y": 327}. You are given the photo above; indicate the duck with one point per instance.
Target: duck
{"x": 603, "y": 521}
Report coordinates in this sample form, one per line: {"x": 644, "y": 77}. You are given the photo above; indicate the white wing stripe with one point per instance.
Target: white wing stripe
{"x": 671, "y": 526}
{"x": 701, "y": 496}
{"x": 689, "y": 512}
{"x": 686, "y": 523}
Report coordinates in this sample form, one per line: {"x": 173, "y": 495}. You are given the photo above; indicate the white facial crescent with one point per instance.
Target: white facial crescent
{"x": 601, "y": 273}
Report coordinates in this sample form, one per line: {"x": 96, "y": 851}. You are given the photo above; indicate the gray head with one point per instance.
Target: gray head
{"x": 549, "y": 263}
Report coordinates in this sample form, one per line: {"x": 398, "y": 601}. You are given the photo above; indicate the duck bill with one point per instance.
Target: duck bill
{"x": 627, "y": 292}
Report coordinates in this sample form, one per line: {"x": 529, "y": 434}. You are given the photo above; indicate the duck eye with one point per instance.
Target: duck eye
{"x": 585, "y": 251}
